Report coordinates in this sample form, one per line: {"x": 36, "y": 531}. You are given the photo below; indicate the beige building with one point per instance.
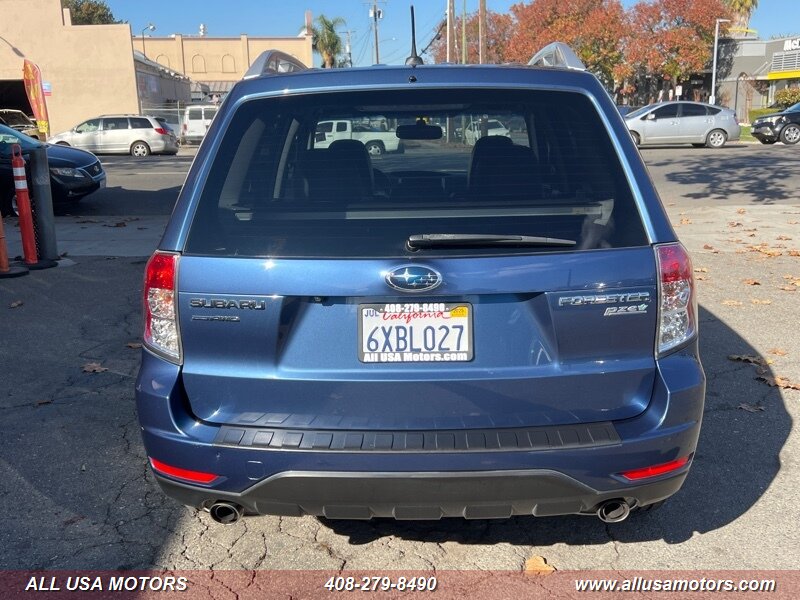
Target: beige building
{"x": 91, "y": 70}
{"x": 218, "y": 62}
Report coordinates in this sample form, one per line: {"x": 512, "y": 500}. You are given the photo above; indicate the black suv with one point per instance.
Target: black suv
{"x": 783, "y": 126}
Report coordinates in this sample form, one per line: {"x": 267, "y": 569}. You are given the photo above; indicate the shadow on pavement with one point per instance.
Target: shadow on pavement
{"x": 749, "y": 176}
{"x": 736, "y": 461}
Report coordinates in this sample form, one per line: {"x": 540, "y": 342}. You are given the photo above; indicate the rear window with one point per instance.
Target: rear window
{"x": 283, "y": 183}
{"x": 140, "y": 123}
{"x": 115, "y": 123}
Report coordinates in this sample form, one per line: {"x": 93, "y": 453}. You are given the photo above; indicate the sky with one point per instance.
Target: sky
{"x": 285, "y": 18}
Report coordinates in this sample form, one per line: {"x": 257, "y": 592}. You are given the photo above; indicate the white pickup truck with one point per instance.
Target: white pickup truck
{"x": 376, "y": 141}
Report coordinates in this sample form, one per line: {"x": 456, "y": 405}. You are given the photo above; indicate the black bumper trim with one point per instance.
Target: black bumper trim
{"x": 422, "y": 495}
{"x": 460, "y": 440}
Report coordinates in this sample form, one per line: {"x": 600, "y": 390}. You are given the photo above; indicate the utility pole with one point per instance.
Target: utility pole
{"x": 348, "y": 49}
{"x": 375, "y": 15}
{"x": 451, "y": 8}
{"x": 464, "y": 33}
{"x": 482, "y": 32}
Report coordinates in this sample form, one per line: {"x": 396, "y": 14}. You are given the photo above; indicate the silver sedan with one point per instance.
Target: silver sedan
{"x": 681, "y": 122}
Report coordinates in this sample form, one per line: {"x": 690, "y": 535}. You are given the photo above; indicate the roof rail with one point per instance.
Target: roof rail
{"x": 557, "y": 54}
{"x": 273, "y": 62}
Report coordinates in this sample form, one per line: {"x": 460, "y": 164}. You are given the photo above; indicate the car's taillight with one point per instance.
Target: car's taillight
{"x": 677, "y": 310}
{"x": 161, "y": 131}
{"x": 179, "y": 473}
{"x": 655, "y": 470}
{"x": 160, "y": 315}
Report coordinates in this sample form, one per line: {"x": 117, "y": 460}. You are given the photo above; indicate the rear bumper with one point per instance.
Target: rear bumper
{"x": 423, "y": 495}
{"x": 288, "y": 476}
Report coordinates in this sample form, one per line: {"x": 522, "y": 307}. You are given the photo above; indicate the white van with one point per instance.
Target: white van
{"x": 196, "y": 121}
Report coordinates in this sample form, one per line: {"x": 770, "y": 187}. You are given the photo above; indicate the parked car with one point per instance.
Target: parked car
{"x": 478, "y": 332}
{"x": 377, "y": 142}
{"x": 74, "y": 173}
{"x": 626, "y": 109}
{"x": 474, "y": 131}
{"x": 137, "y": 135}
{"x": 683, "y": 123}
{"x": 196, "y": 121}
{"x": 16, "y": 119}
{"x": 783, "y": 126}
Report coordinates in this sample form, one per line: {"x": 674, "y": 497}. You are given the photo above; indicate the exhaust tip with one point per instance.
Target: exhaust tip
{"x": 613, "y": 511}
{"x": 225, "y": 513}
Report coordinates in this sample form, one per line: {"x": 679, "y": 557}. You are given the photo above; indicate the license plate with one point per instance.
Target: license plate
{"x": 417, "y": 332}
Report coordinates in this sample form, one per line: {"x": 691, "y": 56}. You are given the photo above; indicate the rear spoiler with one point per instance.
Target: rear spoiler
{"x": 558, "y": 55}
{"x": 273, "y": 62}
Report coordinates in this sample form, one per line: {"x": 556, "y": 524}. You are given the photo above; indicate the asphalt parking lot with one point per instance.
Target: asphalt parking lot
{"x": 72, "y": 464}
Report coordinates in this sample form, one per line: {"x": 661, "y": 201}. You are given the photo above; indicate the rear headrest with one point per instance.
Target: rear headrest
{"x": 486, "y": 145}
{"x": 343, "y": 171}
{"x": 504, "y": 170}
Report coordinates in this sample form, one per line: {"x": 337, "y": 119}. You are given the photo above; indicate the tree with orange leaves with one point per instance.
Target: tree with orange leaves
{"x": 595, "y": 29}
{"x": 499, "y": 28}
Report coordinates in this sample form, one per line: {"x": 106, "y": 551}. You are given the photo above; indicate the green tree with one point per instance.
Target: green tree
{"x": 89, "y": 12}
{"x": 326, "y": 41}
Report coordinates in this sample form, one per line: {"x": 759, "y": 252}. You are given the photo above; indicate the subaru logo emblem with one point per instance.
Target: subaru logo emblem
{"x": 413, "y": 278}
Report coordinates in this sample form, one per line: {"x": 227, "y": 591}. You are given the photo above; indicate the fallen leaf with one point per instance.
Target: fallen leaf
{"x": 708, "y": 247}
{"x": 42, "y": 402}
{"x": 93, "y": 367}
{"x": 777, "y": 351}
{"x": 741, "y": 211}
{"x": 793, "y": 222}
{"x": 119, "y": 224}
{"x": 701, "y": 269}
{"x": 753, "y": 360}
{"x": 72, "y": 520}
{"x": 16, "y": 304}
{"x": 757, "y": 301}
{"x": 734, "y": 224}
{"x": 751, "y": 235}
{"x": 782, "y": 382}
{"x": 87, "y": 221}
{"x": 783, "y": 237}
{"x": 686, "y": 221}
{"x": 701, "y": 278}
{"x": 751, "y": 407}
{"x": 537, "y": 565}
{"x": 793, "y": 252}
{"x": 788, "y": 288}
{"x": 792, "y": 279}
{"x": 83, "y": 467}
{"x": 751, "y": 282}
{"x": 731, "y": 303}
{"x": 134, "y": 345}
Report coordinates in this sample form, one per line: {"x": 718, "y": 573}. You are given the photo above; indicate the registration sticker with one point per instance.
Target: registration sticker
{"x": 415, "y": 332}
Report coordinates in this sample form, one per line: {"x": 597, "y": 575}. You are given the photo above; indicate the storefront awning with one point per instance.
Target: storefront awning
{"x": 773, "y": 75}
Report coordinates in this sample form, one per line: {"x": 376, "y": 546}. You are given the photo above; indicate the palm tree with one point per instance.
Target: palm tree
{"x": 326, "y": 41}
{"x": 742, "y": 10}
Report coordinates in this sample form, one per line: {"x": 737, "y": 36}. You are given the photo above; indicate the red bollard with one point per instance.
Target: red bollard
{"x": 24, "y": 206}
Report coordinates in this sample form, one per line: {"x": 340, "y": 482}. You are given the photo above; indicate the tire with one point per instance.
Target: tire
{"x": 790, "y": 134}
{"x": 375, "y": 148}
{"x": 716, "y": 138}
{"x": 140, "y": 149}
{"x": 636, "y": 138}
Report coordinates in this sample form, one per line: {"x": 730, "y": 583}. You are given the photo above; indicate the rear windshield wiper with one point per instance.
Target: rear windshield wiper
{"x": 477, "y": 240}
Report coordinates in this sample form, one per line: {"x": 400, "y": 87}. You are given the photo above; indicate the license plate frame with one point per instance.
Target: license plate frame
{"x": 450, "y": 346}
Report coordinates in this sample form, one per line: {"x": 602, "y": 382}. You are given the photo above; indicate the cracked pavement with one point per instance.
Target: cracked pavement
{"x": 72, "y": 462}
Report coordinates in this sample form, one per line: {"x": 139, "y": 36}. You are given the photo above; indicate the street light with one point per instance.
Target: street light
{"x": 149, "y": 27}
{"x": 713, "y": 98}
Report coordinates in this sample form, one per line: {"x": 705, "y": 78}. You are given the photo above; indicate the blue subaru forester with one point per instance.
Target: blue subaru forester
{"x": 420, "y": 292}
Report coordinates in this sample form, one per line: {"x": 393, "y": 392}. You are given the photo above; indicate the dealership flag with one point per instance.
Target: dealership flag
{"x": 33, "y": 88}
